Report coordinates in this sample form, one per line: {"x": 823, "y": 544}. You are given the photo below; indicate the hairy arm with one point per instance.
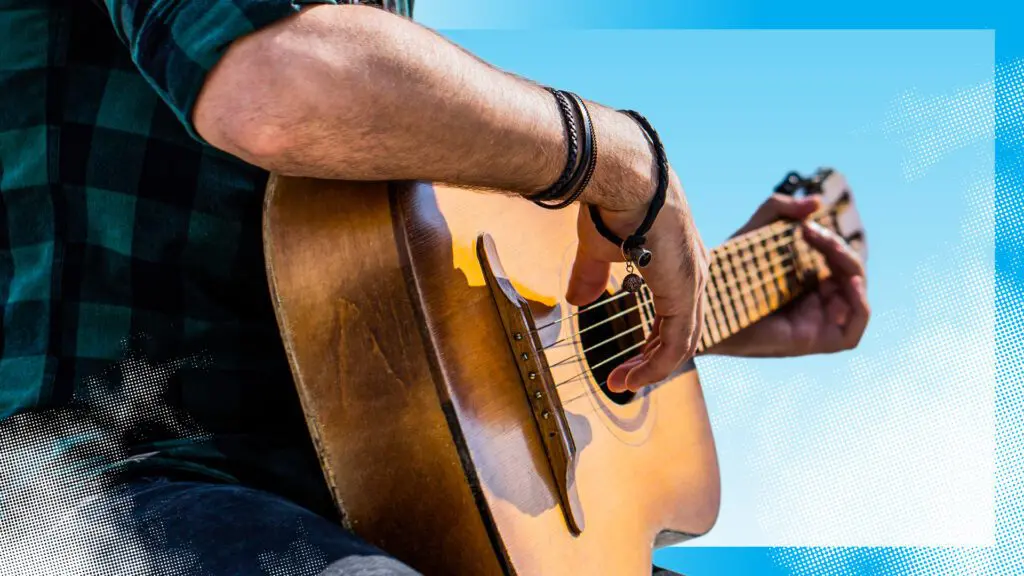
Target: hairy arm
{"x": 355, "y": 93}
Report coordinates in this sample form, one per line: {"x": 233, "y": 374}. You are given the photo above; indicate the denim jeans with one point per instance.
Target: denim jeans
{"x": 222, "y": 530}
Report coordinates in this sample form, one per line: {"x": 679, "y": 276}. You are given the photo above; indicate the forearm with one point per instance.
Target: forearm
{"x": 350, "y": 92}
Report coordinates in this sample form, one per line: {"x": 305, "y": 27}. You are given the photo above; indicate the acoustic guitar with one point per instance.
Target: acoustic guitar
{"x": 458, "y": 402}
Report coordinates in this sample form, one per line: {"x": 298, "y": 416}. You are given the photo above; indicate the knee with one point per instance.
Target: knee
{"x": 368, "y": 566}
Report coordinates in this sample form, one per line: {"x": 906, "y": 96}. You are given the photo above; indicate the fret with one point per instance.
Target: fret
{"x": 748, "y": 283}
{"x": 777, "y": 274}
{"x": 711, "y": 319}
{"x": 707, "y": 339}
{"x": 769, "y": 265}
{"x": 725, "y": 293}
{"x": 756, "y": 281}
{"x": 719, "y": 325}
{"x": 738, "y": 284}
{"x": 759, "y": 303}
{"x": 760, "y": 245}
{"x": 784, "y": 257}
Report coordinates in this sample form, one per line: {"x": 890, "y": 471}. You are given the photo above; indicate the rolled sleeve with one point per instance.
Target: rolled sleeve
{"x": 175, "y": 43}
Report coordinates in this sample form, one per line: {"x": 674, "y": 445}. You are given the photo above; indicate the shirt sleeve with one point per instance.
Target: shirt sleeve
{"x": 175, "y": 43}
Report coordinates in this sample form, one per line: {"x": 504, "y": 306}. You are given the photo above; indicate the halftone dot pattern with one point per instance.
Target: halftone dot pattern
{"x": 1007, "y": 555}
{"x": 60, "y": 515}
{"x": 900, "y": 396}
{"x": 1010, "y": 100}
{"x": 301, "y": 558}
{"x": 841, "y": 561}
{"x": 930, "y": 127}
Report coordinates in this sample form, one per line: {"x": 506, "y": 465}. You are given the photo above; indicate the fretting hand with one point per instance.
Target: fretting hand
{"x": 831, "y": 318}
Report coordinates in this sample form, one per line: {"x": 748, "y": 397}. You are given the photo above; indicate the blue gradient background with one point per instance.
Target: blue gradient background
{"x": 723, "y": 137}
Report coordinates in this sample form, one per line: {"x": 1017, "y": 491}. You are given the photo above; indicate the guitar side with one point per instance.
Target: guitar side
{"x": 416, "y": 404}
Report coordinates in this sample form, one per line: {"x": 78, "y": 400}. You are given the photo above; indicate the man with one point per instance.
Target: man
{"x": 135, "y": 142}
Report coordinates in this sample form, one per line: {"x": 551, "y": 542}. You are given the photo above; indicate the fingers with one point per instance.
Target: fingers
{"x": 589, "y": 279}
{"x": 842, "y": 260}
{"x": 675, "y": 345}
{"x": 780, "y": 206}
{"x": 827, "y": 288}
{"x": 617, "y": 378}
{"x": 838, "y": 311}
{"x": 856, "y": 296}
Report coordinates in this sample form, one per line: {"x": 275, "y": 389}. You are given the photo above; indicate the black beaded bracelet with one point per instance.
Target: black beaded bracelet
{"x": 581, "y": 158}
{"x": 633, "y": 246}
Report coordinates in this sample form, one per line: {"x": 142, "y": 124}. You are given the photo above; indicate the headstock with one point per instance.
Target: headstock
{"x": 839, "y": 212}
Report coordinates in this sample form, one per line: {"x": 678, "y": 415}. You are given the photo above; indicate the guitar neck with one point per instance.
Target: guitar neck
{"x": 755, "y": 274}
{"x": 751, "y": 276}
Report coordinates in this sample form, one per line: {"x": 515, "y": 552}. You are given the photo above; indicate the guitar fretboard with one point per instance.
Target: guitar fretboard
{"x": 751, "y": 276}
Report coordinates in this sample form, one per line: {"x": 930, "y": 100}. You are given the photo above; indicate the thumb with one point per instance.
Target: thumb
{"x": 792, "y": 207}
{"x": 589, "y": 279}
{"x": 780, "y": 206}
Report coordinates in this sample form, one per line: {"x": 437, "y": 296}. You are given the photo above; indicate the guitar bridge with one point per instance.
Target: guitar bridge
{"x": 536, "y": 377}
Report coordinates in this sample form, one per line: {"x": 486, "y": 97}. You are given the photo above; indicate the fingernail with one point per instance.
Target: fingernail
{"x": 817, "y": 228}
{"x": 570, "y": 296}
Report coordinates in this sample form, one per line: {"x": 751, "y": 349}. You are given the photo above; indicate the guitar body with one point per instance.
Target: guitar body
{"x": 418, "y": 399}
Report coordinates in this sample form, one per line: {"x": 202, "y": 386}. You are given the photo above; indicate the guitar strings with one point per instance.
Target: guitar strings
{"x": 587, "y": 390}
{"x": 601, "y": 343}
{"x": 759, "y": 235}
{"x": 645, "y": 304}
{"x": 582, "y": 310}
{"x": 644, "y": 297}
{"x": 775, "y": 267}
{"x": 771, "y": 263}
{"x": 619, "y": 335}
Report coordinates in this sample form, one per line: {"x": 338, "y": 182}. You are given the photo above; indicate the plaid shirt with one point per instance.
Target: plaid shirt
{"x": 123, "y": 235}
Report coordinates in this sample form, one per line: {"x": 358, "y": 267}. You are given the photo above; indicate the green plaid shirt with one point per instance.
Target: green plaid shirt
{"x": 123, "y": 237}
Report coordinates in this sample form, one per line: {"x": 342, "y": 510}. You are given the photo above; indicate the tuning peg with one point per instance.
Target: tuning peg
{"x": 790, "y": 184}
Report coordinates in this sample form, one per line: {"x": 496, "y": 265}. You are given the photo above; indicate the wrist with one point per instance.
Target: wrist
{"x": 626, "y": 172}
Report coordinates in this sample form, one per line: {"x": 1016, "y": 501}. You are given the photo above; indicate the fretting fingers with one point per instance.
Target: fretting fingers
{"x": 780, "y": 206}
{"x": 860, "y": 312}
{"x": 842, "y": 260}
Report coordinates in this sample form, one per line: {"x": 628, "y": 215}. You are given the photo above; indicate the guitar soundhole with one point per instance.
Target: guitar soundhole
{"x": 610, "y": 334}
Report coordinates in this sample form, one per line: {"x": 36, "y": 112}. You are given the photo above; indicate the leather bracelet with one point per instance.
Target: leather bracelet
{"x": 582, "y": 154}
{"x": 588, "y": 156}
{"x": 572, "y": 154}
{"x": 633, "y": 246}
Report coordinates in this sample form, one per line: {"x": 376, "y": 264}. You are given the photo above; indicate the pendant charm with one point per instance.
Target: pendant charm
{"x": 638, "y": 257}
{"x": 632, "y": 282}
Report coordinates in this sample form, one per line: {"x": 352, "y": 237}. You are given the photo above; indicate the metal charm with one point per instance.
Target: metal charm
{"x": 632, "y": 282}
{"x": 640, "y": 256}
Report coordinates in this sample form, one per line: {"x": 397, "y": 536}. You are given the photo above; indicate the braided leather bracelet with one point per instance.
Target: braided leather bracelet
{"x": 582, "y": 154}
